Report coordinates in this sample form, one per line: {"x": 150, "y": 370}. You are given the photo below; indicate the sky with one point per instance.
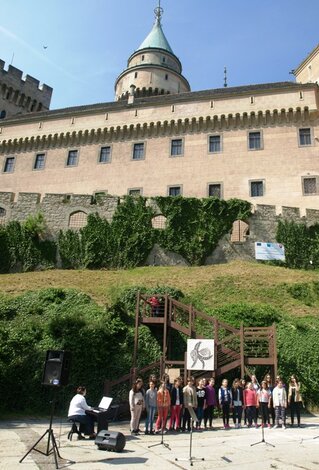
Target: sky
{"x": 79, "y": 47}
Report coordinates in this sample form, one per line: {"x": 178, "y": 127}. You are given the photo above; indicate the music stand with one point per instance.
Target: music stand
{"x": 262, "y": 440}
{"x": 51, "y": 439}
{"x": 162, "y": 443}
{"x": 190, "y": 459}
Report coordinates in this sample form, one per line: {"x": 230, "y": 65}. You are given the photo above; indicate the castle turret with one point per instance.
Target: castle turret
{"x": 153, "y": 68}
{"x": 20, "y": 95}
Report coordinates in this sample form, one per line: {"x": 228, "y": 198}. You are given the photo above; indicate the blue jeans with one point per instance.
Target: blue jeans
{"x": 200, "y": 414}
{"x": 150, "y": 418}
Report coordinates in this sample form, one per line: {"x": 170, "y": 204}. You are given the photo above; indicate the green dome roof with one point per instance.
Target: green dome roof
{"x": 156, "y": 39}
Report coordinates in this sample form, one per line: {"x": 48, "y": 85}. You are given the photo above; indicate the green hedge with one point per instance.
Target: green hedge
{"x": 101, "y": 342}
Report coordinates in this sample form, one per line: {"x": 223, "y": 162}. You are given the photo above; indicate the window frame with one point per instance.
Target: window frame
{"x": 215, "y": 183}
{"x": 316, "y": 178}
{"x": 175, "y": 186}
{"x": 133, "y": 148}
{"x": 171, "y": 147}
{"x": 261, "y": 141}
{"x": 220, "y": 143}
{"x": 35, "y": 160}
{"x": 135, "y": 189}
{"x": 99, "y": 155}
{"x": 311, "y": 137}
{"x": 77, "y": 159}
{"x": 261, "y": 180}
{"x": 5, "y": 164}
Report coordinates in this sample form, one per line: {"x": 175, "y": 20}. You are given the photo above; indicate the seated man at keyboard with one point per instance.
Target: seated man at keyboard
{"x": 77, "y": 411}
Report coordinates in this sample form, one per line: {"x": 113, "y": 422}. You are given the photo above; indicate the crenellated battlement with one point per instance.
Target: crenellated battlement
{"x": 22, "y": 94}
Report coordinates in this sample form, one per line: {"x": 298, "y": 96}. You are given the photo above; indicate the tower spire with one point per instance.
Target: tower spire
{"x": 158, "y": 12}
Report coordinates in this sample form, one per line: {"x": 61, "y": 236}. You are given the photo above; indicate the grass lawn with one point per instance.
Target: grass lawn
{"x": 205, "y": 286}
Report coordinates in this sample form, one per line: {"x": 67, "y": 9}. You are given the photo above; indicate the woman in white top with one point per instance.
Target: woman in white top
{"x": 77, "y": 409}
{"x": 137, "y": 403}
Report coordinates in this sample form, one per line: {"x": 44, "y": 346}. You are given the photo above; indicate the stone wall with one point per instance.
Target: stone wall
{"x": 56, "y": 208}
{"x": 262, "y": 228}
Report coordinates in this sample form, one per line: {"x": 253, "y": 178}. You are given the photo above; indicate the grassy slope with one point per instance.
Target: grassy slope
{"x": 207, "y": 286}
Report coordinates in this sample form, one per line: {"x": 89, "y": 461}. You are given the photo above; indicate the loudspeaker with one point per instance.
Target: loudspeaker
{"x": 110, "y": 440}
{"x": 56, "y": 368}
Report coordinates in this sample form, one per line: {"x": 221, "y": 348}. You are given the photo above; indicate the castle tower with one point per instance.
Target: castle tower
{"x": 20, "y": 95}
{"x": 153, "y": 69}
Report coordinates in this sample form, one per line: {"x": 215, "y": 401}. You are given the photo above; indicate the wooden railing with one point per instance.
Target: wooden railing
{"x": 234, "y": 347}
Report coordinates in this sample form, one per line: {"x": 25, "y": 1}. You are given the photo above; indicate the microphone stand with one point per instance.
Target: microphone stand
{"x": 262, "y": 439}
{"x": 190, "y": 459}
{"x": 162, "y": 443}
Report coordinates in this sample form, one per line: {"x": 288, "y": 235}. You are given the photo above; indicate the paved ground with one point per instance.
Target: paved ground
{"x": 294, "y": 449}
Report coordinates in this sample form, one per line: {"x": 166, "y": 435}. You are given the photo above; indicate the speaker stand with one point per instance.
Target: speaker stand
{"x": 190, "y": 459}
{"x": 262, "y": 440}
{"x": 52, "y": 447}
{"x": 162, "y": 443}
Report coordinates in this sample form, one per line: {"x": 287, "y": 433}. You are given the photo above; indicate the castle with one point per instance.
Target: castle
{"x": 257, "y": 142}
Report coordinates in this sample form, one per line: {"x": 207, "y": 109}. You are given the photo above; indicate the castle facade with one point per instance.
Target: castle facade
{"x": 257, "y": 142}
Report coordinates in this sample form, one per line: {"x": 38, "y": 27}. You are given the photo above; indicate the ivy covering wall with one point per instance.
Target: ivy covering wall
{"x": 194, "y": 227}
{"x": 301, "y": 244}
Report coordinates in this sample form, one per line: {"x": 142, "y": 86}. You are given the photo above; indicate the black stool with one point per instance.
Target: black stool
{"x": 74, "y": 430}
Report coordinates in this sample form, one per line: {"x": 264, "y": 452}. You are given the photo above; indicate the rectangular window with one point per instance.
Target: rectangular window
{"x": 39, "y": 161}
{"x": 138, "y": 151}
{"x": 254, "y": 140}
{"x": 176, "y": 147}
{"x": 215, "y": 190}
{"x": 72, "y": 158}
{"x": 305, "y": 136}
{"x": 9, "y": 165}
{"x": 135, "y": 192}
{"x": 215, "y": 143}
{"x": 105, "y": 155}
{"x": 175, "y": 191}
{"x": 256, "y": 188}
{"x": 310, "y": 185}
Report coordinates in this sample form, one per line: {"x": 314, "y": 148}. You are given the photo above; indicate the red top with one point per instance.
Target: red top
{"x": 250, "y": 397}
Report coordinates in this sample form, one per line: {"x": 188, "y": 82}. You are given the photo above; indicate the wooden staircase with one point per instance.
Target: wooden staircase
{"x": 234, "y": 347}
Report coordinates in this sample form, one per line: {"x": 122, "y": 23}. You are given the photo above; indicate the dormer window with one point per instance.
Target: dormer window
{"x": 164, "y": 59}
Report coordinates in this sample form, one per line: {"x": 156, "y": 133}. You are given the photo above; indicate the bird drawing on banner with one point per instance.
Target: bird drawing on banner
{"x": 201, "y": 355}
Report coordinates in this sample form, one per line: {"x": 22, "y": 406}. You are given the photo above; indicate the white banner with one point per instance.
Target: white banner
{"x": 269, "y": 251}
{"x": 200, "y": 354}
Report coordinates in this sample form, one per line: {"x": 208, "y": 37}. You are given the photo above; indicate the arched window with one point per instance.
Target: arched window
{"x": 78, "y": 220}
{"x": 239, "y": 232}
{"x": 3, "y": 114}
{"x": 2, "y": 216}
{"x": 159, "y": 222}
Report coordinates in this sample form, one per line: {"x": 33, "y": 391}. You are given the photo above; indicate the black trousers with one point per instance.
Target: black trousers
{"x": 209, "y": 415}
{"x": 225, "y": 408}
{"x": 295, "y": 410}
{"x": 86, "y": 423}
{"x": 251, "y": 415}
{"x": 264, "y": 412}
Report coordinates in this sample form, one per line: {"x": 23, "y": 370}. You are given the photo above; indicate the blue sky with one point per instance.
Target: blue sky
{"x": 89, "y": 41}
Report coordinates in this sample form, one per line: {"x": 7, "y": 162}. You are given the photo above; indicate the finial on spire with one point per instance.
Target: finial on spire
{"x": 158, "y": 12}
{"x": 225, "y": 77}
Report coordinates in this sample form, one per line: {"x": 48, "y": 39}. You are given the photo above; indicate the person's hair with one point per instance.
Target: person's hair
{"x": 264, "y": 382}
{"x": 151, "y": 382}
{"x": 295, "y": 377}
{"x": 177, "y": 380}
{"x": 190, "y": 379}
{"x": 165, "y": 378}
{"x": 248, "y": 384}
{"x": 136, "y": 383}
{"x": 81, "y": 389}
{"x": 225, "y": 380}
{"x": 235, "y": 382}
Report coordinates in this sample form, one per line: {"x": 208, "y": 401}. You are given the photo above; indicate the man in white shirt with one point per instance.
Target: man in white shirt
{"x": 78, "y": 407}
